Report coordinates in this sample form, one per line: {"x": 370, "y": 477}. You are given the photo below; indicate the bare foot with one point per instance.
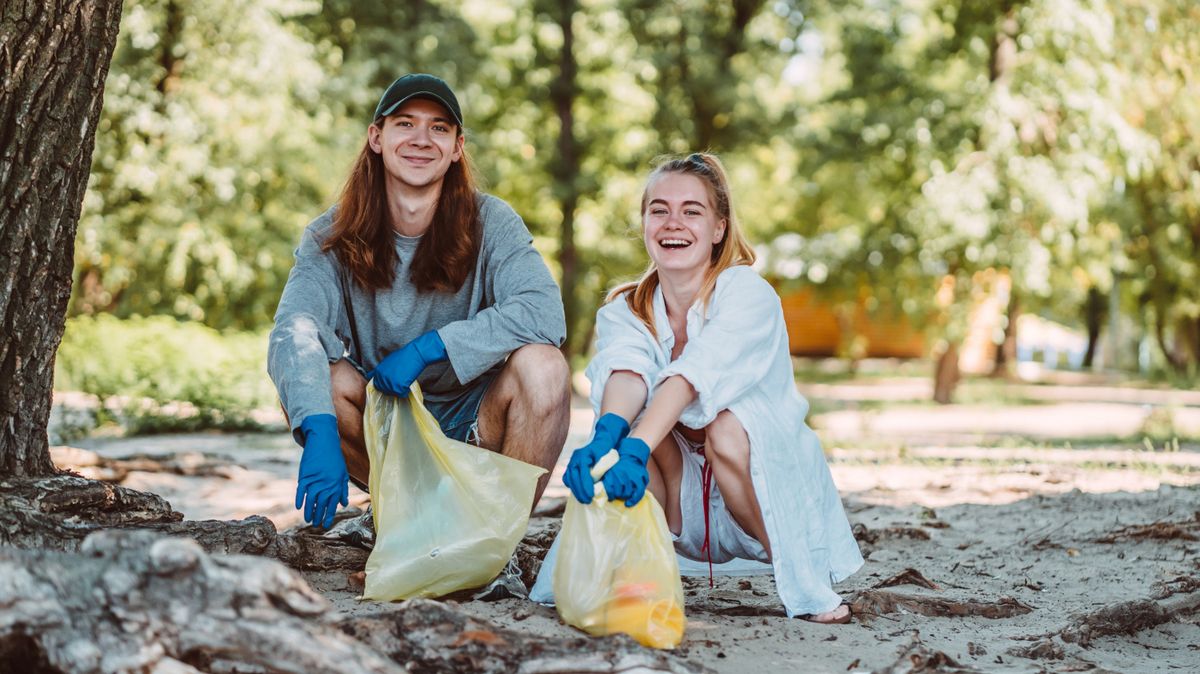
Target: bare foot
{"x": 838, "y": 616}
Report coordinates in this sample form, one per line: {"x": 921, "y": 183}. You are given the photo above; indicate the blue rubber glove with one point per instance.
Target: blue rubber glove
{"x": 627, "y": 480}
{"x": 324, "y": 481}
{"x": 610, "y": 430}
{"x": 401, "y": 368}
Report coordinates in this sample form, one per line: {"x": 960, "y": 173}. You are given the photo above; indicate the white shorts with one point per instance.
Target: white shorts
{"x": 726, "y": 538}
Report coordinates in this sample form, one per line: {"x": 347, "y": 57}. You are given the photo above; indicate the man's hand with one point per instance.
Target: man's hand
{"x": 401, "y": 368}
{"x": 628, "y": 479}
{"x": 323, "y": 482}
{"x": 610, "y": 430}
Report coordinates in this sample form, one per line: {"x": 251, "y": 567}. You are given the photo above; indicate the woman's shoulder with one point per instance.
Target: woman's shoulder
{"x": 742, "y": 281}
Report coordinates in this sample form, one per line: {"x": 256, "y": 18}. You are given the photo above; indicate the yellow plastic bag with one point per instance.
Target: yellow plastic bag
{"x": 448, "y": 515}
{"x": 616, "y": 569}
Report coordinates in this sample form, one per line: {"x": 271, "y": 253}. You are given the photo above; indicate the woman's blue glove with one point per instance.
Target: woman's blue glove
{"x": 401, "y": 368}
{"x": 610, "y": 430}
{"x": 324, "y": 482}
{"x": 628, "y": 479}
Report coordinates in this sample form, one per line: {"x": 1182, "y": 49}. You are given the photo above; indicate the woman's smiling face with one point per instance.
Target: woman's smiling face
{"x": 680, "y": 223}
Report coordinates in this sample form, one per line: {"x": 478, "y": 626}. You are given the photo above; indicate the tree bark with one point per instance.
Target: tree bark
{"x": 1094, "y": 310}
{"x": 563, "y": 93}
{"x": 1006, "y": 351}
{"x": 54, "y": 56}
{"x": 946, "y": 375}
{"x": 136, "y": 601}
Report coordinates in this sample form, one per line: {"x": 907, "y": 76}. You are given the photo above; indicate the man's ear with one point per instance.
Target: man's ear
{"x": 458, "y": 147}
{"x": 373, "y": 139}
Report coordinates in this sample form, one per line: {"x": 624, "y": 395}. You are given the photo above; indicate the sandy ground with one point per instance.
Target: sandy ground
{"x": 985, "y": 520}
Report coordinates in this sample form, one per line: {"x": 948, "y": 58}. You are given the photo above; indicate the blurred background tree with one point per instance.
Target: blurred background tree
{"x": 894, "y": 158}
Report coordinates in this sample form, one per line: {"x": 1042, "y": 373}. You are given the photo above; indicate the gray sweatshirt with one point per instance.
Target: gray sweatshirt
{"x": 507, "y": 301}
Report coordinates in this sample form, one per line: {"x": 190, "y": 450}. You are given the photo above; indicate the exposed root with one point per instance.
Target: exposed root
{"x": 908, "y": 576}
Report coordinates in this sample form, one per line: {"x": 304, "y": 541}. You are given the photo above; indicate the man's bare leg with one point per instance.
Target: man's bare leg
{"x": 526, "y": 411}
{"x": 349, "y": 401}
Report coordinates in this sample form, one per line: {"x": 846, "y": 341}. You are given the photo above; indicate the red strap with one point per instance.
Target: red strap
{"x": 706, "y": 485}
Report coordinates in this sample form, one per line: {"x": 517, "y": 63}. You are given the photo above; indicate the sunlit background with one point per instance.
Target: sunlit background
{"x": 962, "y": 187}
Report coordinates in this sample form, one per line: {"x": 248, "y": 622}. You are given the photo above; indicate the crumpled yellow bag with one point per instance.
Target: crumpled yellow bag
{"x": 448, "y": 515}
{"x": 616, "y": 569}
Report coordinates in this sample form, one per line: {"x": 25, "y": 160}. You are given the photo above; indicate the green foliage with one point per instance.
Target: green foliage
{"x": 163, "y": 375}
{"x": 875, "y": 149}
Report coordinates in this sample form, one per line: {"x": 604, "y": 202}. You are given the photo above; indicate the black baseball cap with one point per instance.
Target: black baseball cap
{"x": 418, "y": 85}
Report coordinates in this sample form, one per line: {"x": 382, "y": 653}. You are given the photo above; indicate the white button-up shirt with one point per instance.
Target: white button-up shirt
{"x": 737, "y": 359}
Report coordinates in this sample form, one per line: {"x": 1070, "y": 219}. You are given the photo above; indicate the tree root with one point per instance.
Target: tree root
{"x": 56, "y": 513}
{"x": 190, "y": 464}
{"x": 136, "y": 601}
{"x": 133, "y": 600}
{"x": 908, "y": 577}
{"x": 441, "y": 638}
{"x": 883, "y": 602}
{"x": 1186, "y": 530}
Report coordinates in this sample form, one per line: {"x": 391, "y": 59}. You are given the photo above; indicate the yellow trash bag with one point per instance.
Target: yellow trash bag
{"x": 616, "y": 569}
{"x": 448, "y": 515}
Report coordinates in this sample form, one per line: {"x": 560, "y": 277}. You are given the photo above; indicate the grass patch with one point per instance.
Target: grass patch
{"x": 157, "y": 375}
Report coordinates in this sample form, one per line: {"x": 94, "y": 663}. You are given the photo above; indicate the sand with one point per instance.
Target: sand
{"x": 1017, "y": 524}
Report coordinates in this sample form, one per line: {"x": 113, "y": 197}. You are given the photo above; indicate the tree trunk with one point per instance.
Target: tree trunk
{"x": 1094, "y": 310}
{"x": 54, "y": 56}
{"x": 1006, "y": 351}
{"x": 563, "y": 93}
{"x": 946, "y": 375}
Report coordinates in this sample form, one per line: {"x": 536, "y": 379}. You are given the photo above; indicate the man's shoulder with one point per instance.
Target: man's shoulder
{"x": 320, "y": 227}
{"x": 495, "y": 211}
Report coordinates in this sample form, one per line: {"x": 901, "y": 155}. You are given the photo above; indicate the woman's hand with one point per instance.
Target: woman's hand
{"x": 627, "y": 480}
{"x": 610, "y": 430}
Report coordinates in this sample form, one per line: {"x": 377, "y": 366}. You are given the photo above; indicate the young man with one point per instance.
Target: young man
{"x": 415, "y": 276}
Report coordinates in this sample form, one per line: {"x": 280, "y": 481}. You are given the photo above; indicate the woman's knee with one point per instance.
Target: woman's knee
{"x": 726, "y": 437}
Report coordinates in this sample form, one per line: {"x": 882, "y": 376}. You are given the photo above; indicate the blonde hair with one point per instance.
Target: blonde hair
{"x": 732, "y": 250}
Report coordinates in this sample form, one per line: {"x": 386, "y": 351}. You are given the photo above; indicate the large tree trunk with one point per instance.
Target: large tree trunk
{"x": 54, "y": 56}
{"x": 946, "y": 375}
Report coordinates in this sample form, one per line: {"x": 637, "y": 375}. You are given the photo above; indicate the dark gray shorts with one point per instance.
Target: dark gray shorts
{"x": 458, "y": 416}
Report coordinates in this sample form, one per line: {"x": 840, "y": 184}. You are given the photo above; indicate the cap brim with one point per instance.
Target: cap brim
{"x": 421, "y": 94}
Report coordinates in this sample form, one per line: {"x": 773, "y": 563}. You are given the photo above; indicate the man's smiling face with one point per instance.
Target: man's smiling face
{"x": 417, "y": 143}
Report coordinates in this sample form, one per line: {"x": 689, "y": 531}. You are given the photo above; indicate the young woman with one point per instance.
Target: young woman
{"x": 695, "y": 357}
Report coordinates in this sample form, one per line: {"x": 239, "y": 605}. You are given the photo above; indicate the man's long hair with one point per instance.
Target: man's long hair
{"x": 364, "y": 241}
{"x": 733, "y": 249}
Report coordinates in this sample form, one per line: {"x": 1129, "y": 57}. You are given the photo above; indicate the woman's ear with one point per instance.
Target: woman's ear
{"x": 719, "y": 232}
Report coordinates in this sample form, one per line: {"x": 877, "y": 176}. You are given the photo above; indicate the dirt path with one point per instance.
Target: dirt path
{"x": 1032, "y": 534}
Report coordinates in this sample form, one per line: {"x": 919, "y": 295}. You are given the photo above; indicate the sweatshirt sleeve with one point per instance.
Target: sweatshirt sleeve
{"x": 735, "y": 348}
{"x": 305, "y": 340}
{"x": 622, "y": 343}
{"x": 527, "y": 306}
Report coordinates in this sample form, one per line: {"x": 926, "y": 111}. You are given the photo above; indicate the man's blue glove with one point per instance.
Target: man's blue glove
{"x": 628, "y": 479}
{"x": 401, "y": 368}
{"x": 324, "y": 482}
{"x": 610, "y": 430}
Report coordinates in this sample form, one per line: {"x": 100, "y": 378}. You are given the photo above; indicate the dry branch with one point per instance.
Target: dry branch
{"x": 1186, "y": 530}
{"x": 908, "y": 576}
{"x": 883, "y": 602}
{"x": 917, "y": 659}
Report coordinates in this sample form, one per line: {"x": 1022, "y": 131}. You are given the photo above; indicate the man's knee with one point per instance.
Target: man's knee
{"x": 543, "y": 376}
{"x": 726, "y": 437}
{"x": 347, "y": 384}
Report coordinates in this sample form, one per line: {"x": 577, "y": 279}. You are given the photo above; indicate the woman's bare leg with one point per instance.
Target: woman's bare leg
{"x": 666, "y": 474}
